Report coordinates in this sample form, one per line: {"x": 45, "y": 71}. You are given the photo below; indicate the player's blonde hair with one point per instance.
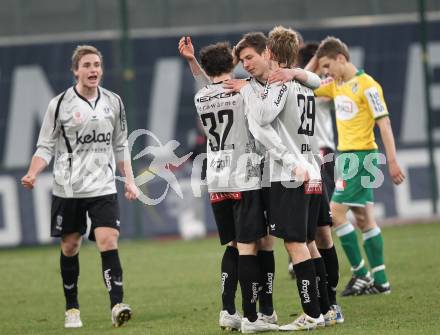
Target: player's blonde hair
{"x": 283, "y": 43}
{"x": 82, "y": 50}
{"x": 331, "y": 47}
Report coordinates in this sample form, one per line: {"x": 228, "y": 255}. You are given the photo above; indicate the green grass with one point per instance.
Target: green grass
{"x": 173, "y": 288}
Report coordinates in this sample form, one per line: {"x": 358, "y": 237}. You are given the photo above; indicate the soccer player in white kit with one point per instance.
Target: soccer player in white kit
{"x": 326, "y": 144}
{"x": 249, "y": 51}
{"x": 290, "y": 110}
{"x": 233, "y": 178}
{"x": 85, "y": 130}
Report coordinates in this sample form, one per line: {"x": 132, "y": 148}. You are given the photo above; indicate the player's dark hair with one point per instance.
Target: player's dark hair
{"x": 306, "y": 52}
{"x": 216, "y": 59}
{"x": 331, "y": 47}
{"x": 254, "y": 40}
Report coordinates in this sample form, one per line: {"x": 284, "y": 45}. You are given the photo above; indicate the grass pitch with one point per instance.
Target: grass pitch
{"x": 173, "y": 288}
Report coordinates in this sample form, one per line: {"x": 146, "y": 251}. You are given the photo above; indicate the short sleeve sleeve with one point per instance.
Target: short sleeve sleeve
{"x": 326, "y": 89}
{"x": 375, "y": 100}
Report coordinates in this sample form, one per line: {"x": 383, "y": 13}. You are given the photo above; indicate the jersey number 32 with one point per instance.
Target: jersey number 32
{"x": 216, "y": 140}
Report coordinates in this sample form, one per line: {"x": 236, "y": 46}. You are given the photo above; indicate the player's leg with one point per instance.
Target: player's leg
{"x": 229, "y": 277}
{"x": 69, "y": 264}
{"x": 107, "y": 243}
{"x": 324, "y": 240}
{"x": 104, "y": 214}
{"x": 229, "y": 317}
{"x": 249, "y": 278}
{"x": 290, "y": 207}
{"x": 250, "y": 227}
{"x": 266, "y": 261}
{"x": 327, "y": 250}
{"x": 314, "y": 218}
{"x": 306, "y": 281}
{"x": 373, "y": 246}
{"x": 68, "y": 221}
{"x": 347, "y": 235}
{"x": 322, "y": 285}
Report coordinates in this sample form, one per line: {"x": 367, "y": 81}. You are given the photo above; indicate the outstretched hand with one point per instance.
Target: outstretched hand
{"x": 186, "y": 48}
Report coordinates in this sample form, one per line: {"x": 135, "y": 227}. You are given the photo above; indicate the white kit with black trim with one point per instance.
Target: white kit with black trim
{"x": 290, "y": 109}
{"x": 85, "y": 138}
{"x": 232, "y": 162}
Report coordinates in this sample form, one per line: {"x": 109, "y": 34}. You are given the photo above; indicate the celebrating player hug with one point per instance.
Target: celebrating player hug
{"x": 265, "y": 174}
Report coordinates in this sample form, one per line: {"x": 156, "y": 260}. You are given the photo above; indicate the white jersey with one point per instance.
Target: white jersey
{"x": 290, "y": 109}
{"x": 324, "y": 123}
{"x": 85, "y": 139}
{"x": 258, "y": 89}
{"x": 232, "y": 162}
{"x": 269, "y": 145}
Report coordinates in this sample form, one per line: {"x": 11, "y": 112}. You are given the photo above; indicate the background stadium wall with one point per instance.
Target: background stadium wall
{"x": 31, "y": 74}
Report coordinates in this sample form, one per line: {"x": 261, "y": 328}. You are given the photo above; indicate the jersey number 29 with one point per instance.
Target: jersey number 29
{"x": 306, "y": 105}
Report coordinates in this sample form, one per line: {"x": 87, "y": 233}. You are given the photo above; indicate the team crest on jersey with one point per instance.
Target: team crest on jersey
{"x": 355, "y": 87}
{"x": 79, "y": 117}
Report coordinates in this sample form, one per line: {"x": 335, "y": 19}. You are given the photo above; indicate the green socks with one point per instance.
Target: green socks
{"x": 373, "y": 245}
{"x": 349, "y": 242}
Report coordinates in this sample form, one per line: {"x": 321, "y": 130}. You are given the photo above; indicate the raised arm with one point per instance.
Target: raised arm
{"x": 312, "y": 65}
{"x": 186, "y": 50}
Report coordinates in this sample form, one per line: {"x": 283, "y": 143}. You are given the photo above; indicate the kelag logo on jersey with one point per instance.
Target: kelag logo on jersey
{"x": 94, "y": 138}
{"x": 280, "y": 95}
{"x": 216, "y": 96}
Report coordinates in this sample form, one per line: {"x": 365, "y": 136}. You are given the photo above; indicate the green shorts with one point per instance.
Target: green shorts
{"x": 357, "y": 173}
